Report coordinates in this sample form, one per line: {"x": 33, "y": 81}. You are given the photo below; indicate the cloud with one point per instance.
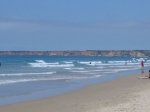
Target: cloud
{"x": 7, "y": 25}
{"x": 41, "y": 26}
{"x": 54, "y": 26}
{"x": 21, "y": 26}
{"x": 124, "y": 25}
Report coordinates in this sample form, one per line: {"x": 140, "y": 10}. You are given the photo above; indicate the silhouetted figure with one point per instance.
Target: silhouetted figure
{"x": 142, "y": 64}
{"x": 142, "y": 67}
{"x": 149, "y": 74}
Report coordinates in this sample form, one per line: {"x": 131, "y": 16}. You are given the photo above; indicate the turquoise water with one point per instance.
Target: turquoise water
{"x": 31, "y": 77}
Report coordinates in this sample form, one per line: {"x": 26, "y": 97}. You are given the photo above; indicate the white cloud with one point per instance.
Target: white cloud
{"x": 7, "y": 25}
{"x": 40, "y": 26}
{"x": 124, "y": 25}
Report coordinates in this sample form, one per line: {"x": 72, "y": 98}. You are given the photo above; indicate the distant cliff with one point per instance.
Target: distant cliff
{"x": 136, "y": 53}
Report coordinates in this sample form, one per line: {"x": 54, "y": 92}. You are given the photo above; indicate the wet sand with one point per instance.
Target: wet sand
{"x": 125, "y": 94}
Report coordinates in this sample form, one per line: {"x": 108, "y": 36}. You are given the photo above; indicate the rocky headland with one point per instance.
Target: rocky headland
{"x": 136, "y": 53}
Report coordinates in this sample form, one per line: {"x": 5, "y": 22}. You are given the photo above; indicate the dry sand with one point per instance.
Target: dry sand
{"x": 126, "y": 94}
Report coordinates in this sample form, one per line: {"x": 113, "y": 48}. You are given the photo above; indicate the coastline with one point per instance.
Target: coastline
{"x": 134, "y": 53}
{"x": 127, "y": 93}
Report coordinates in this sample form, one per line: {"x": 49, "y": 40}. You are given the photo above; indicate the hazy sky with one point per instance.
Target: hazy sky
{"x": 74, "y": 24}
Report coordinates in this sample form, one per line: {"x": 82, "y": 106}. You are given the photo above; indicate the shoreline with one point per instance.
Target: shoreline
{"x": 119, "y": 94}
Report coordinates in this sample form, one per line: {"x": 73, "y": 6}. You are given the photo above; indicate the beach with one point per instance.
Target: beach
{"x": 124, "y": 94}
{"x": 74, "y": 56}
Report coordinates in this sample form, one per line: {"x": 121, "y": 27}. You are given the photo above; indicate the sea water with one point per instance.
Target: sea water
{"x": 24, "y": 78}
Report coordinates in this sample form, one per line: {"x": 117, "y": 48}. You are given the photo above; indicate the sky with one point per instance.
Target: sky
{"x": 74, "y": 25}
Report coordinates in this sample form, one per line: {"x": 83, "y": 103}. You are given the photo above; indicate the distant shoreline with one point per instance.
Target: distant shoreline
{"x": 135, "y": 53}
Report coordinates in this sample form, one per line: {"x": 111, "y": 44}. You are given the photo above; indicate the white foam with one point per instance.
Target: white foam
{"x": 22, "y": 80}
{"x": 2, "y": 82}
{"x": 23, "y": 74}
{"x": 116, "y": 61}
{"x": 40, "y": 61}
{"x": 80, "y": 71}
{"x": 68, "y": 62}
{"x": 44, "y": 64}
{"x": 133, "y": 62}
{"x": 140, "y": 59}
{"x": 92, "y": 71}
{"x": 61, "y": 65}
{"x": 75, "y": 68}
{"x": 106, "y": 70}
{"x": 79, "y": 68}
{"x": 68, "y": 68}
{"x": 148, "y": 60}
{"x": 91, "y": 63}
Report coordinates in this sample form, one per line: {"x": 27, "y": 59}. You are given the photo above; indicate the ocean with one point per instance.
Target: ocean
{"x": 24, "y": 78}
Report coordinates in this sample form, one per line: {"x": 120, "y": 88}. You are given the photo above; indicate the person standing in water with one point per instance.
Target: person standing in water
{"x": 142, "y": 64}
{"x": 142, "y": 67}
{"x": 149, "y": 74}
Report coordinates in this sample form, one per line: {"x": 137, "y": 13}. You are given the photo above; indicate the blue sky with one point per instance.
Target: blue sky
{"x": 74, "y": 24}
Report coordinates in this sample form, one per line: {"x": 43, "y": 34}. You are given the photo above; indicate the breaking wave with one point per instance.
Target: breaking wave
{"x": 42, "y": 63}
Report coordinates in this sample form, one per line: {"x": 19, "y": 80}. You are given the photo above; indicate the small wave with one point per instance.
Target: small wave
{"x": 140, "y": 59}
{"x": 22, "y": 74}
{"x": 40, "y": 61}
{"x": 148, "y": 61}
{"x": 68, "y": 62}
{"x": 22, "y": 80}
{"x": 80, "y": 71}
{"x": 116, "y": 61}
{"x": 106, "y": 70}
{"x": 68, "y": 68}
{"x": 109, "y": 63}
{"x": 91, "y": 63}
{"x": 88, "y": 71}
{"x": 44, "y": 64}
{"x": 75, "y": 68}
{"x": 79, "y": 68}
{"x": 2, "y": 82}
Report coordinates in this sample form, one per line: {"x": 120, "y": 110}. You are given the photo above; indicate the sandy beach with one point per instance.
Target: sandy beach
{"x": 125, "y": 94}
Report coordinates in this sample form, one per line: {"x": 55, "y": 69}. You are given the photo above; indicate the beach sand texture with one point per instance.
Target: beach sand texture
{"x": 125, "y": 94}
